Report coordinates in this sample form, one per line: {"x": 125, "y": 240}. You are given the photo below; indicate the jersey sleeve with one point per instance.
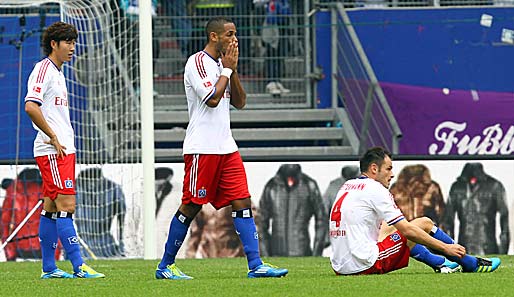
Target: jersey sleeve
{"x": 202, "y": 81}
{"x": 387, "y": 208}
{"x": 37, "y": 83}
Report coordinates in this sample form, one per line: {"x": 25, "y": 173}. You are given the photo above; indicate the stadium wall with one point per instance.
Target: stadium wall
{"x": 445, "y": 73}
{"x": 442, "y": 172}
{"x": 10, "y": 49}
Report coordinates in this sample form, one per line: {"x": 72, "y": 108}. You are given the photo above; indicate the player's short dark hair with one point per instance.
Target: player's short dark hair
{"x": 217, "y": 25}
{"x": 375, "y": 155}
{"x": 57, "y": 31}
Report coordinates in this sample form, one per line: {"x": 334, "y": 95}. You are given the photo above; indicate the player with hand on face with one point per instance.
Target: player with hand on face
{"x": 47, "y": 105}
{"x": 363, "y": 204}
{"x": 214, "y": 171}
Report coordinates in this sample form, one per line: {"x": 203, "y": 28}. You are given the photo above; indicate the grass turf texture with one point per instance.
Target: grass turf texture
{"x": 311, "y": 276}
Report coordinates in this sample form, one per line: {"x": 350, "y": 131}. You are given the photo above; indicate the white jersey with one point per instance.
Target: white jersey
{"x": 208, "y": 131}
{"x": 355, "y": 218}
{"x": 47, "y": 87}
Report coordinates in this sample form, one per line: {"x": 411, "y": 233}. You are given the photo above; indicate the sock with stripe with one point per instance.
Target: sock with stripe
{"x": 69, "y": 240}
{"x": 178, "y": 231}
{"x": 245, "y": 228}
{"x": 422, "y": 254}
{"x": 468, "y": 263}
{"x": 48, "y": 241}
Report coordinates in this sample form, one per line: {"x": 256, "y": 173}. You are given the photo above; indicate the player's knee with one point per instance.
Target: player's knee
{"x": 424, "y": 223}
{"x": 190, "y": 210}
{"x": 67, "y": 208}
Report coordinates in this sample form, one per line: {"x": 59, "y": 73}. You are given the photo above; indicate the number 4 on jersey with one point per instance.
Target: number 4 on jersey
{"x": 335, "y": 215}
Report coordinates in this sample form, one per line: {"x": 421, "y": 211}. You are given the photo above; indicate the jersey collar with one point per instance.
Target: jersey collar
{"x": 217, "y": 61}
{"x": 59, "y": 69}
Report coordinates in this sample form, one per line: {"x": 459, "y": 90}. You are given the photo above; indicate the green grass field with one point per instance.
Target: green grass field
{"x": 310, "y": 276}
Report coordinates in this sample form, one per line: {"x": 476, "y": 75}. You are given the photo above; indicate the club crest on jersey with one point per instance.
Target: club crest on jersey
{"x": 395, "y": 237}
{"x": 202, "y": 193}
{"x": 68, "y": 184}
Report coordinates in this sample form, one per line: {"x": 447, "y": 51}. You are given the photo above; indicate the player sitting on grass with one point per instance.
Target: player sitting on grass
{"x": 355, "y": 218}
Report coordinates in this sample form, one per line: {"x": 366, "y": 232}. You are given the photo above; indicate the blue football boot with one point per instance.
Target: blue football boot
{"x": 56, "y": 273}
{"x": 448, "y": 267}
{"x": 267, "y": 270}
{"x": 87, "y": 272}
{"x": 487, "y": 264}
{"x": 171, "y": 272}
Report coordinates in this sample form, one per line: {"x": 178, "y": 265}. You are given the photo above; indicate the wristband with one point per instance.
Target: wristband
{"x": 227, "y": 72}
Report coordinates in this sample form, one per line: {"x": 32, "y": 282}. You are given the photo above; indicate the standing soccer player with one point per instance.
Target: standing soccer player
{"x": 355, "y": 218}
{"x": 214, "y": 171}
{"x": 47, "y": 105}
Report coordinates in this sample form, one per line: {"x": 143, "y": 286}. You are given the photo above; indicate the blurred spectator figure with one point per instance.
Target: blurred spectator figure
{"x": 240, "y": 12}
{"x": 21, "y": 195}
{"x": 168, "y": 197}
{"x": 289, "y": 200}
{"x": 131, "y": 10}
{"x": 204, "y": 10}
{"x": 179, "y": 13}
{"x": 100, "y": 206}
{"x": 417, "y": 195}
{"x": 274, "y": 33}
{"x": 372, "y": 3}
{"x": 477, "y": 198}
{"x": 467, "y": 2}
{"x": 347, "y": 172}
{"x": 163, "y": 186}
{"x": 213, "y": 234}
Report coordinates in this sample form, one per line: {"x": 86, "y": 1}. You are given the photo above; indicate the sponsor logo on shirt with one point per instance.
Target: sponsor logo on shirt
{"x": 337, "y": 233}
{"x": 61, "y": 101}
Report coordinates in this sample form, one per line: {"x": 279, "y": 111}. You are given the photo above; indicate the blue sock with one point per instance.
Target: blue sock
{"x": 245, "y": 227}
{"x": 178, "y": 231}
{"x": 468, "y": 263}
{"x": 48, "y": 241}
{"x": 422, "y": 254}
{"x": 70, "y": 242}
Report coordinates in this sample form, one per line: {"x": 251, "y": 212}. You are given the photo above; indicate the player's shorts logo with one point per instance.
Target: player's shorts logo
{"x": 202, "y": 193}
{"x": 395, "y": 237}
{"x": 68, "y": 184}
{"x": 73, "y": 240}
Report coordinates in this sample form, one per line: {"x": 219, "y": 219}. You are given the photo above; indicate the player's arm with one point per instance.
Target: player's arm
{"x": 417, "y": 235}
{"x": 237, "y": 92}
{"x": 34, "y": 112}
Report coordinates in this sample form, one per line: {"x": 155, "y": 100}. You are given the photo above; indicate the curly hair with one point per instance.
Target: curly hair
{"x": 57, "y": 31}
